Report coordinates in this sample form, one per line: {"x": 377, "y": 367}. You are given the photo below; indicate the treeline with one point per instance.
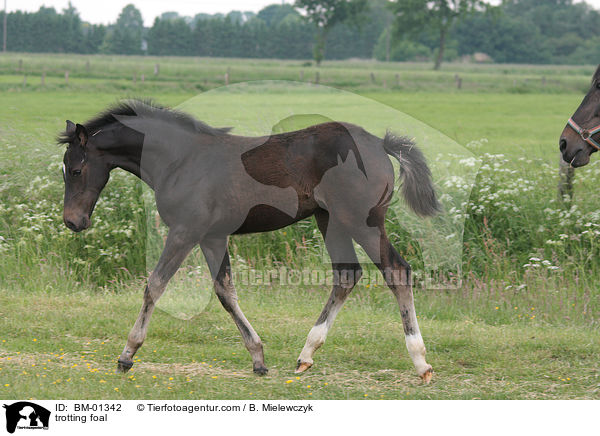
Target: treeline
{"x": 277, "y": 31}
{"x": 230, "y": 37}
{"x": 532, "y": 31}
{"x": 519, "y": 31}
{"x": 47, "y": 31}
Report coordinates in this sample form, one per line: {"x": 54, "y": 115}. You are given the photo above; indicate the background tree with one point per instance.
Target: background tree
{"x": 170, "y": 37}
{"x": 325, "y": 14}
{"x": 413, "y": 16}
{"x": 72, "y": 30}
{"x": 126, "y": 35}
{"x": 169, "y": 15}
{"x": 93, "y": 36}
{"x": 501, "y": 36}
{"x": 275, "y": 13}
{"x": 363, "y": 33}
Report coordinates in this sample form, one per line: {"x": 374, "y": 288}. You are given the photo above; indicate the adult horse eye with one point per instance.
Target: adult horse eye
{"x": 598, "y": 84}
{"x": 76, "y": 172}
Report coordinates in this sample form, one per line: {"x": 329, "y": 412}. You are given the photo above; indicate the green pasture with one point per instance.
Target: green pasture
{"x": 523, "y": 323}
{"x": 124, "y": 73}
{"x": 64, "y": 345}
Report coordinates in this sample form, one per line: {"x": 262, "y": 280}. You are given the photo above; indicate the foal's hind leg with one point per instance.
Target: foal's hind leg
{"x": 397, "y": 274}
{"x": 346, "y": 272}
{"x": 217, "y": 257}
{"x": 177, "y": 247}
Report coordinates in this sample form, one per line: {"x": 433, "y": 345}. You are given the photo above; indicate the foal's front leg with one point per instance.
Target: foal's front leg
{"x": 177, "y": 247}
{"x": 217, "y": 257}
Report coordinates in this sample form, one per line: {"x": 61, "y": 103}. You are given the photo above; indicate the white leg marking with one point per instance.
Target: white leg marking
{"x": 316, "y": 338}
{"x": 416, "y": 350}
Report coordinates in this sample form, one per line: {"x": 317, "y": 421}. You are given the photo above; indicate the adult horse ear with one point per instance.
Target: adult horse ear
{"x": 70, "y": 127}
{"x": 82, "y": 134}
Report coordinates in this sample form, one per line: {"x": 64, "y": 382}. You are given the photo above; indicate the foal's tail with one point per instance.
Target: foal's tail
{"x": 417, "y": 188}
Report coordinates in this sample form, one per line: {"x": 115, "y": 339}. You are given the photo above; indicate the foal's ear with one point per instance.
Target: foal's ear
{"x": 82, "y": 134}
{"x": 70, "y": 127}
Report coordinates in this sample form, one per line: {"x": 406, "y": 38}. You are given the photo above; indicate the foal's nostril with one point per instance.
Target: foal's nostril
{"x": 562, "y": 144}
{"x": 70, "y": 225}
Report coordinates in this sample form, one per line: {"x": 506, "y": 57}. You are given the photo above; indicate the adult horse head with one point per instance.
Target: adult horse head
{"x": 85, "y": 174}
{"x": 581, "y": 136}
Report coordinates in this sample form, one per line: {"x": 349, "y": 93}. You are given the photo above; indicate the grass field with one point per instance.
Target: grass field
{"x": 50, "y": 355}
{"x": 523, "y": 324}
{"x": 118, "y": 73}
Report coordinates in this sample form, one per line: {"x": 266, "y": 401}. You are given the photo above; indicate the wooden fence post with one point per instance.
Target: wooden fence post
{"x": 43, "y": 78}
{"x": 156, "y": 69}
{"x": 372, "y": 77}
{"x": 66, "y": 77}
{"x": 317, "y": 77}
{"x": 302, "y": 75}
{"x": 24, "y": 81}
{"x": 397, "y": 79}
{"x": 20, "y": 65}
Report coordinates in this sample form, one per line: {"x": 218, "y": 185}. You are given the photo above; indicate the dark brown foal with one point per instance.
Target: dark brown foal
{"x": 210, "y": 184}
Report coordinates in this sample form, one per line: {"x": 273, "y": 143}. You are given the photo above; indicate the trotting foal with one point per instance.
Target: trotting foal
{"x": 210, "y": 184}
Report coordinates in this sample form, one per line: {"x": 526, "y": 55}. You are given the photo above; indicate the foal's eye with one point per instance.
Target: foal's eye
{"x": 76, "y": 172}
{"x": 598, "y": 84}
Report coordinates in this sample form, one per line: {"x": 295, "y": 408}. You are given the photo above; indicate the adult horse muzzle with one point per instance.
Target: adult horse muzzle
{"x": 76, "y": 223}
{"x": 578, "y": 157}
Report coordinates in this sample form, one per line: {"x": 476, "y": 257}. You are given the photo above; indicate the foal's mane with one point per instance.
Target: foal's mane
{"x": 144, "y": 108}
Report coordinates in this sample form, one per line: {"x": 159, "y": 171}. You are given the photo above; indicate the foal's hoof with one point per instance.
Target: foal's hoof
{"x": 261, "y": 370}
{"x": 124, "y": 366}
{"x": 302, "y": 366}
{"x": 427, "y": 375}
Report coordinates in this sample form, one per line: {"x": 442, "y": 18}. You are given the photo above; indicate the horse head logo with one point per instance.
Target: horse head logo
{"x": 28, "y": 415}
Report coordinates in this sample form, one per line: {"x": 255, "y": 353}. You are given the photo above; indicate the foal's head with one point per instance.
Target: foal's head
{"x": 85, "y": 174}
{"x": 581, "y": 136}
